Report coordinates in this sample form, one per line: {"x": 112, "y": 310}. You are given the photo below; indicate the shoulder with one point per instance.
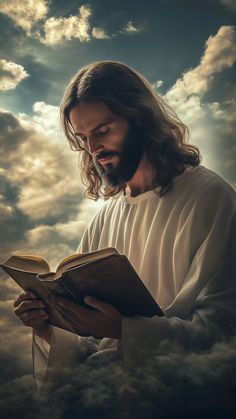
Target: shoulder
{"x": 204, "y": 200}
{"x": 203, "y": 185}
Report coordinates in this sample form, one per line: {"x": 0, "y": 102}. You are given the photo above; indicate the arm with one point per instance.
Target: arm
{"x": 53, "y": 350}
{"x": 61, "y": 348}
{"x": 203, "y": 310}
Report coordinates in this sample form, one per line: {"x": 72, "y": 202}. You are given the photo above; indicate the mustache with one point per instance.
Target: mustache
{"x": 105, "y": 154}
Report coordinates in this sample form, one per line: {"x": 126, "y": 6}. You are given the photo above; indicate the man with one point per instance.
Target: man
{"x": 173, "y": 218}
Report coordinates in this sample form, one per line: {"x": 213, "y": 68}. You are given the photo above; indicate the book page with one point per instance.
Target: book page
{"x": 80, "y": 258}
{"x": 28, "y": 263}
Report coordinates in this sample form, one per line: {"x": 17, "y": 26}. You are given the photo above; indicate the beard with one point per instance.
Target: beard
{"x": 129, "y": 158}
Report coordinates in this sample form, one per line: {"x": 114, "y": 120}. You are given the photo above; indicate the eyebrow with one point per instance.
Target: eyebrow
{"x": 105, "y": 122}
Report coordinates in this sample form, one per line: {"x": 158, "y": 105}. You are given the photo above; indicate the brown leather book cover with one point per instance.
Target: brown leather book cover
{"x": 113, "y": 280}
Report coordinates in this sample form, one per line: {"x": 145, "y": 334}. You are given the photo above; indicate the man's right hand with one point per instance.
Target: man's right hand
{"x": 31, "y": 310}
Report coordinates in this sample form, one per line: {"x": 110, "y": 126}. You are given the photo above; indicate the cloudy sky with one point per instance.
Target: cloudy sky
{"x": 187, "y": 51}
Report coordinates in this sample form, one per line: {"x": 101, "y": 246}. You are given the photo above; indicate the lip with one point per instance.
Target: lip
{"x": 105, "y": 160}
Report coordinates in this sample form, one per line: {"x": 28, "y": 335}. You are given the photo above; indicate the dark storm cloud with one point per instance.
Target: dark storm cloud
{"x": 15, "y": 350}
{"x": 13, "y": 221}
{"x": 13, "y": 229}
{"x": 173, "y": 382}
{"x": 11, "y": 134}
{"x": 17, "y": 388}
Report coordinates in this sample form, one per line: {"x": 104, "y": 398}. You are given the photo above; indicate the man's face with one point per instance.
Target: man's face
{"x": 116, "y": 146}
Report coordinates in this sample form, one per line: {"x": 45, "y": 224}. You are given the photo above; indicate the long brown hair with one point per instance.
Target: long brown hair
{"x": 127, "y": 93}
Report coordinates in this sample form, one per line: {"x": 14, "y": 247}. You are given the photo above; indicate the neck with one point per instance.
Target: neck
{"x": 142, "y": 181}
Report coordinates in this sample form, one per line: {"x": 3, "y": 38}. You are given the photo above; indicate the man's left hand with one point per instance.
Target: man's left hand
{"x": 103, "y": 321}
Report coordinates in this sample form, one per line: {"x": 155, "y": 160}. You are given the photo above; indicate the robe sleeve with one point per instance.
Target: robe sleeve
{"x": 204, "y": 309}
{"x": 52, "y": 362}
{"x": 49, "y": 359}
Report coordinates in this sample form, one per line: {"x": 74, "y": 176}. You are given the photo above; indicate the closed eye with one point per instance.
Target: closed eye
{"x": 103, "y": 131}
{"x": 100, "y": 133}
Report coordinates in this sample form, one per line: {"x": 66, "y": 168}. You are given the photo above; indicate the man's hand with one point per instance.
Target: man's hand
{"x": 103, "y": 321}
{"x": 32, "y": 312}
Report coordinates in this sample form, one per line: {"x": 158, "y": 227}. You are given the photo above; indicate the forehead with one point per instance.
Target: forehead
{"x": 85, "y": 116}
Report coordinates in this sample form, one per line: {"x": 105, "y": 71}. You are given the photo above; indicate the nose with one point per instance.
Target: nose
{"x": 93, "y": 145}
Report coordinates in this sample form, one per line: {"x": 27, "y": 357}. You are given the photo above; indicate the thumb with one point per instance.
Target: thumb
{"x": 98, "y": 304}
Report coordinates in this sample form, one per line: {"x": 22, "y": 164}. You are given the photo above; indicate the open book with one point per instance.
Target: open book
{"x": 104, "y": 274}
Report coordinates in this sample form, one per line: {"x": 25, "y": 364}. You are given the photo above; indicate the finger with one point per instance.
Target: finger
{"x": 24, "y": 295}
{"x": 34, "y": 315}
{"x": 99, "y": 305}
{"x": 71, "y": 314}
{"x": 69, "y": 306}
{"x": 21, "y": 297}
{"x": 64, "y": 302}
{"x": 31, "y": 294}
{"x": 36, "y": 323}
{"x": 74, "y": 320}
{"x": 31, "y": 321}
{"x": 27, "y": 305}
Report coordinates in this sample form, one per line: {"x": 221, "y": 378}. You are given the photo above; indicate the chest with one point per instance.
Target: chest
{"x": 133, "y": 229}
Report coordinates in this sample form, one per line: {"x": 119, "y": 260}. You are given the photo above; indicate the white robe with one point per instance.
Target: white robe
{"x": 183, "y": 247}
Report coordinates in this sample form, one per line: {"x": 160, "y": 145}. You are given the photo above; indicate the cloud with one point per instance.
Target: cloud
{"x": 11, "y": 136}
{"x": 45, "y": 119}
{"x": 11, "y": 74}
{"x": 212, "y": 125}
{"x": 32, "y": 18}
{"x": 130, "y": 28}
{"x": 6, "y": 210}
{"x": 177, "y": 381}
{"x": 61, "y": 29}
{"x": 61, "y": 239}
{"x": 25, "y": 13}
{"x": 19, "y": 358}
{"x": 157, "y": 84}
{"x": 16, "y": 379}
{"x": 44, "y": 181}
{"x": 219, "y": 54}
{"x": 41, "y": 168}
{"x": 172, "y": 382}
{"x": 42, "y": 206}
{"x": 99, "y": 33}
{"x": 230, "y": 4}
